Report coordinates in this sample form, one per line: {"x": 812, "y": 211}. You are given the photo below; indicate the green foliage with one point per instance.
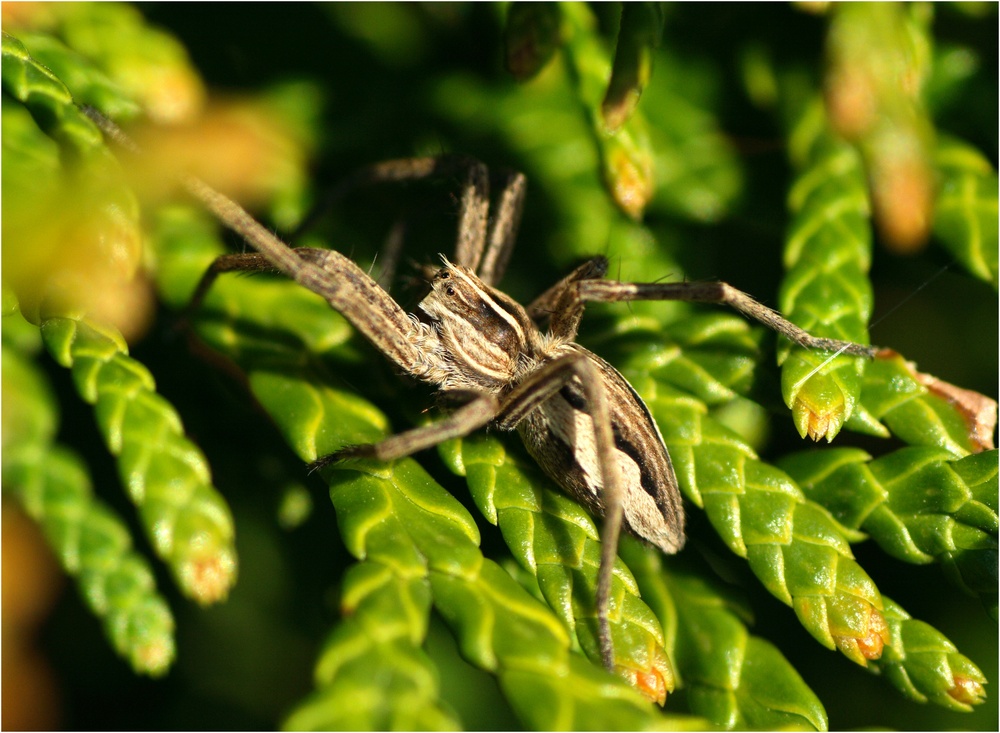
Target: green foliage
{"x": 555, "y": 540}
{"x": 893, "y": 394}
{"x": 919, "y": 503}
{"x": 795, "y": 549}
{"x": 91, "y": 542}
{"x": 923, "y": 663}
{"x": 47, "y": 97}
{"x": 188, "y": 523}
{"x": 825, "y": 289}
{"x": 732, "y": 678}
{"x": 660, "y": 135}
{"x": 965, "y": 213}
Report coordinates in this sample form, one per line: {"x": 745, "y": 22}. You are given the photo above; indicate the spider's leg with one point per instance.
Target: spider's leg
{"x": 561, "y": 303}
{"x": 530, "y": 394}
{"x": 473, "y": 217}
{"x": 402, "y": 169}
{"x": 503, "y": 230}
{"x": 483, "y": 249}
{"x": 243, "y": 262}
{"x": 390, "y": 253}
{"x": 463, "y": 421}
{"x": 475, "y": 196}
{"x": 716, "y": 292}
{"x": 332, "y": 276}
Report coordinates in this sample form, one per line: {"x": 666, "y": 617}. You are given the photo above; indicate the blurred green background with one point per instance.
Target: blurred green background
{"x": 379, "y": 81}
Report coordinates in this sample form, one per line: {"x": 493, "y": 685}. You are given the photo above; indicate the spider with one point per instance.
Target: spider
{"x": 576, "y": 415}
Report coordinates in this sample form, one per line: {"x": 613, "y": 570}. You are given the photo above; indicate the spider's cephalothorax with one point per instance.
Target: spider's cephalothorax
{"x": 476, "y": 337}
{"x": 577, "y": 416}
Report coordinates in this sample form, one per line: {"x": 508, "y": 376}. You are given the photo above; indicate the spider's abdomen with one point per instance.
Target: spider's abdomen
{"x": 559, "y": 434}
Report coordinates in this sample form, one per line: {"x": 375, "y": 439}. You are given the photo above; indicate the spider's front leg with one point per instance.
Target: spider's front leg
{"x": 345, "y": 286}
{"x": 471, "y": 416}
{"x": 579, "y": 456}
{"x": 609, "y": 291}
{"x": 561, "y": 303}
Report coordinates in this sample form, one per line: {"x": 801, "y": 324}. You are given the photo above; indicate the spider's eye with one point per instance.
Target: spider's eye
{"x": 444, "y": 275}
{"x": 450, "y": 290}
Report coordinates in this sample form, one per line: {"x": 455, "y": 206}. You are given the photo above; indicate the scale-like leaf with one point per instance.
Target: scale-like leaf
{"x": 47, "y": 98}
{"x": 925, "y": 666}
{"x": 920, "y": 504}
{"x": 796, "y": 549}
{"x": 732, "y": 678}
{"x": 638, "y": 36}
{"x": 626, "y": 155}
{"x": 88, "y": 83}
{"x": 71, "y": 223}
{"x": 895, "y": 394}
{"x": 554, "y": 539}
{"x": 186, "y": 519}
{"x": 90, "y": 541}
{"x": 965, "y": 211}
{"x": 379, "y": 639}
{"x": 825, "y": 289}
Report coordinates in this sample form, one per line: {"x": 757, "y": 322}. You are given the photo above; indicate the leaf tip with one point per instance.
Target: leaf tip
{"x": 616, "y": 109}
{"x": 967, "y": 691}
{"x": 154, "y": 658}
{"x": 655, "y": 679}
{"x": 817, "y": 422}
{"x": 208, "y": 579}
{"x": 863, "y": 649}
{"x": 630, "y": 180}
{"x": 531, "y": 38}
{"x": 650, "y": 683}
